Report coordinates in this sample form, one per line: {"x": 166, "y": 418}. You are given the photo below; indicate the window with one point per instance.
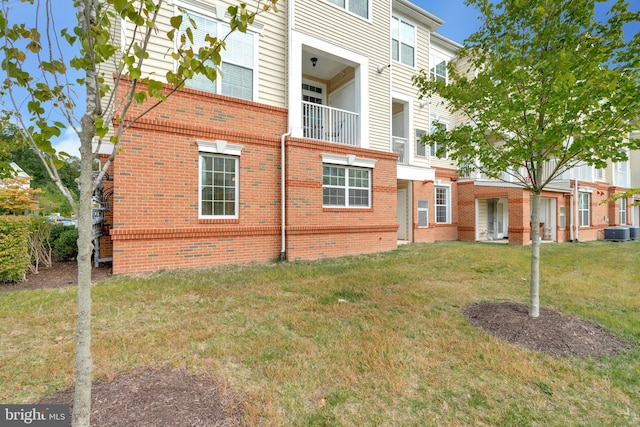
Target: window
{"x": 423, "y": 213}
{"x": 438, "y": 70}
{"x": 218, "y": 186}
{"x": 435, "y": 148}
{"x": 358, "y": 7}
{"x": 584, "y": 209}
{"x": 563, "y": 218}
{"x": 442, "y": 205}
{"x": 346, "y": 186}
{"x": 600, "y": 174}
{"x": 623, "y": 211}
{"x": 238, "y": 74}
{"x": 403, "y": 41}
{"x": 421, "y": 149}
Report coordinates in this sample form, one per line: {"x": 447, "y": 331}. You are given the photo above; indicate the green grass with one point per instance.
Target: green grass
{"x": 367, "y": 341}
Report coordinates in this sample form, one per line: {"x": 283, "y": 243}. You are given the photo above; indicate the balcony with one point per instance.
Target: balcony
{"x": 329, "y": 124}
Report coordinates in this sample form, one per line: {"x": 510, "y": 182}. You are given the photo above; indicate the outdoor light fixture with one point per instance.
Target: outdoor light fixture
{"x": 314, "y": 61}
{"x": 381, "y": 68}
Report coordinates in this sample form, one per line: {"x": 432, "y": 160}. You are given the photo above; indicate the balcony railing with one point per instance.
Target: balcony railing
{"x": 400, "y": 147}
{"x": 329, "y": 124}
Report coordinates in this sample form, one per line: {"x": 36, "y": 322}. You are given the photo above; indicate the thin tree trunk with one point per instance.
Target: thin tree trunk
{"x": 82, "y": 396}
{"x": 534, "y": 308}
{"x": 81, "y": 416}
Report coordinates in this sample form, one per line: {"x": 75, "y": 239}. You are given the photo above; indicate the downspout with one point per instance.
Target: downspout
{"x": 283, "y": 158}
{"x": 577, "y": 223}
{"x": 571, "y": 215}
{"x": 283, "y": 200}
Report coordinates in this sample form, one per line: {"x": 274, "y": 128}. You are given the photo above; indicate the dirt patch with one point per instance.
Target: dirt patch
{"x": 159, "y": 397}
{"x": 59, "y": 275}
{"x": 553, "y": 333}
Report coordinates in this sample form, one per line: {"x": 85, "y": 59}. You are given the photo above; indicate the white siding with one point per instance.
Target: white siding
{"x": 271, "y": 44}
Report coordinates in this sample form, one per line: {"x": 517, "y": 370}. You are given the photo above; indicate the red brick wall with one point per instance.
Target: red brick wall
{"x": 106, "y": 245}
{"x": 425, "y": 190}
{"x": 155, "y": 217}
{"x": 314, "y": 231}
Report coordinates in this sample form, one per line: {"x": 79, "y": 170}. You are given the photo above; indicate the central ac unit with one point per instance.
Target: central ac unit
{"x": 616, "y": 234}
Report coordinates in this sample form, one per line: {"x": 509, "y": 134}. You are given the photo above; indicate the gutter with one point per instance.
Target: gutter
{"x": 283, "y": 200}
{"x": 283, "y": 157}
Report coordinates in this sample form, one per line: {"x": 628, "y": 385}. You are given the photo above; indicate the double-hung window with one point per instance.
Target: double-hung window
{"x": 438, "y": 68}
{"x": 403, "y": 42}
{"x": 443, "y": 205}
{"x": 623, "y": 211}
{"x": 423, "y": 213}
{"x": 421, "y": 149}
{"x": 357, "y": 7}
{"x": 436, "y": 150}
{"x": 346, "y": 181}
{"x": 238, "y": 59}
{"x": 219, "y": 175}
{"x": 584, "y": 209}
{"x": 346, "y": 187}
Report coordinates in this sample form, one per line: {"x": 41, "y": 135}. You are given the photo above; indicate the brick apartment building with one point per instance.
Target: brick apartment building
{"x": 307, "y": 148}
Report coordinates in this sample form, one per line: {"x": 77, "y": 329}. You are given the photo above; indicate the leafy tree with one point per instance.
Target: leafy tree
{"x": 10, "y": 138}
{"x": 51, "y": 199}
{"x": 541, "y": 87}
{"x": 16, "y": 196}
{"x": 37, "y": 75}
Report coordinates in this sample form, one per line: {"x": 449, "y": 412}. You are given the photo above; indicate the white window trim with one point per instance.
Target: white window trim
{"x": 415, "y": 42}
{"x": 622, "y": 210}
{"x": 427, "y": 148}
{"x": 237, "y": 189}
{"x": 435, "y": 203}
{"x": 437, "y": 119}
{"x": 348, "y": 160}
{"x": 219, "y": 147}
{"x": 580, "y": 210}
{"x": 423, "y": 210}
{"x": 220, "y": 15}
{"x": 346, "y": 9}
{"x": 435, "y": 57}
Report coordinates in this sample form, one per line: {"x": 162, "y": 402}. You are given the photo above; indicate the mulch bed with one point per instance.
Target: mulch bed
{"x": 152, "y": 397}
{"x": 552, "y": 333}
{"x": 59, "y": 275}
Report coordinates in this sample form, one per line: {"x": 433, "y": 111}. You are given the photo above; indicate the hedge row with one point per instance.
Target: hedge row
{"x": 17, "y": 236}
{"x": 14, "y": 247}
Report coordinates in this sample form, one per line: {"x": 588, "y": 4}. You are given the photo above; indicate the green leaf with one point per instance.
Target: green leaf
{"x": 139, "y": 97}
{"x": 176, "y": 21}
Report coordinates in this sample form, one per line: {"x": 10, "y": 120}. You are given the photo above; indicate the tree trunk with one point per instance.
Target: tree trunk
{"x": 534, "y": 308}
{"x": 82, "y": 396}
{"x": 81, "y": 416}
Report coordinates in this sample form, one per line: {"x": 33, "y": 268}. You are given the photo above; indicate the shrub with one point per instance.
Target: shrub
{"x": 14, "y": 248}
{"x": 65, "y": 247}
{"x": 39, "y": 243}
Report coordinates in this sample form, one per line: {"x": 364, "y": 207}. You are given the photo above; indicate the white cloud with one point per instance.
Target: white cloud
{"x": 68, "y": 142}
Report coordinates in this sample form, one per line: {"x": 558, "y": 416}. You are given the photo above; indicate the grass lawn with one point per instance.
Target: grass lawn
{"x": 358, "y": 341}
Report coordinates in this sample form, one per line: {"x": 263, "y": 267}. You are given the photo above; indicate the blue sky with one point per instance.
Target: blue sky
{"x": 461, "y": 21}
